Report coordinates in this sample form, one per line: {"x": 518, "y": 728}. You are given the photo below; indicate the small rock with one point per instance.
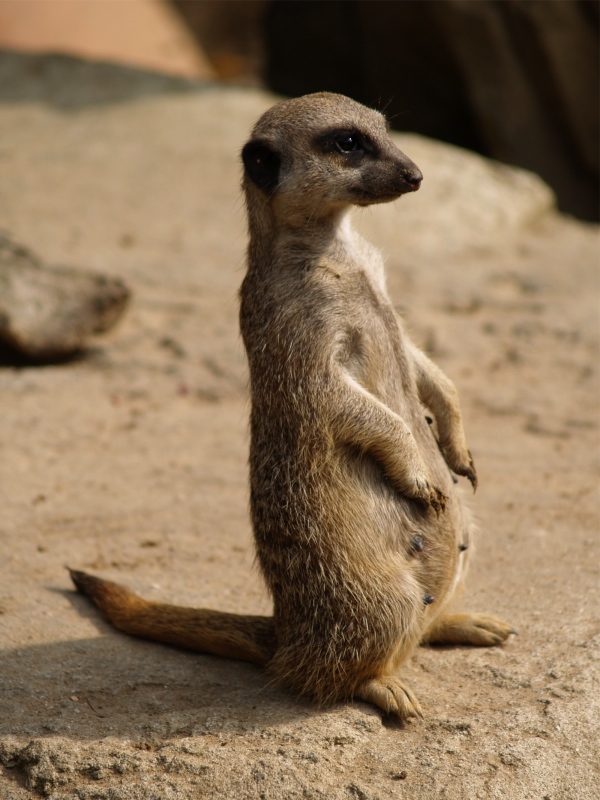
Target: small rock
{"x": 48, "y": 312}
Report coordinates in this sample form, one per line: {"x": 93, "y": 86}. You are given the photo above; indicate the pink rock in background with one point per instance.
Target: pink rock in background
{"x": 142, "y": 33}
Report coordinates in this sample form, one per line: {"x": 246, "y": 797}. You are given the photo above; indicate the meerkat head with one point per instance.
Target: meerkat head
{"x": 314, "y": 155}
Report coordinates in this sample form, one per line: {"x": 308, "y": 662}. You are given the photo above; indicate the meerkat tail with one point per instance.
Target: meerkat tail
{"x": 236, "y": 636}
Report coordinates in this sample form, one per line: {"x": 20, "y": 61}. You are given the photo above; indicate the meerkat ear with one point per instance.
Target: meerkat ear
{"x": 262, "y": 164}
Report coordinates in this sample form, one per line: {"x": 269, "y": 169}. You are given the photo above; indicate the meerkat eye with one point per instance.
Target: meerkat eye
{"x": 345, "y": 141}
{"x": 348, "y": 144}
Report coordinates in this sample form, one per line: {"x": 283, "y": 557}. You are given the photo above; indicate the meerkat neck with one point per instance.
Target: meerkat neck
{"x": 316, "y": 239}
{"x": 321, "y": 230}
{"x": 344, "y": 231}
{"x": 299, "y": 238}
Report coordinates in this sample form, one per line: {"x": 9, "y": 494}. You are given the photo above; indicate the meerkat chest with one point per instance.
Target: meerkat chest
{"x": 375, "y": 340}
{"x": 371, "y": 334}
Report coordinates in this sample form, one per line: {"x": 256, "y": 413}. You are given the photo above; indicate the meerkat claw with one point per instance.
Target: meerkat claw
{"x": 472, "y": 473}
{"x": 438, "y": 503}
{"x": 436, "y": 500}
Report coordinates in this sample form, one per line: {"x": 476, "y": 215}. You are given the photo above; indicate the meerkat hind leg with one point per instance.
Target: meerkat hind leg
{"x": 390, "y": 694}
{"x": 479, "y": 630}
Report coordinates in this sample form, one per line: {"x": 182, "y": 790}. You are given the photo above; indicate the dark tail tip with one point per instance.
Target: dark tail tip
{"x": 84, "y": 583}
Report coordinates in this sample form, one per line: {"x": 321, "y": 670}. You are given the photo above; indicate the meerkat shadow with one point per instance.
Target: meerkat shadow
{"x": 94, "y": 685}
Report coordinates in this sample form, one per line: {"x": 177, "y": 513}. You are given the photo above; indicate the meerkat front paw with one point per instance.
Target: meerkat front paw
{"x": 479, "y": 630}
{"x": 391, "y": 695}
{"x": 438, "y": 500}
{"x": 466, "y": 468}
{"x": 430, "y": 495}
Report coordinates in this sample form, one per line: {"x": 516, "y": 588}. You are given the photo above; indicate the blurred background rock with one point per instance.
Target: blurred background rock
{"x": 515, "y": 80}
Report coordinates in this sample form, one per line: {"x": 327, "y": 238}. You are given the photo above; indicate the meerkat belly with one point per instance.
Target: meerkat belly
{"x": 312, "y": 491}
{"x": 317, "y": 498}
{"x": 424, "y": 544}
{"x": 416, "y": 538}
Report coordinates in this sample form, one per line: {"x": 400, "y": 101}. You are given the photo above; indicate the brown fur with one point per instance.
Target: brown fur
{"x": 359, "y": 529}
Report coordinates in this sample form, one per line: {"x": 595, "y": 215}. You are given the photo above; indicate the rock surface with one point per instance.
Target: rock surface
{"x": 132, "y": 463}
{"x": 50, "y": 312}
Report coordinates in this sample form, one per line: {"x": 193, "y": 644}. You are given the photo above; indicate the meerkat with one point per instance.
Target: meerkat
{"x": 360, "y": 532}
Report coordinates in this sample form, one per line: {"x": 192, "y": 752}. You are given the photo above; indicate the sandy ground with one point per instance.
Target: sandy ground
{"x": 131, "y": 462}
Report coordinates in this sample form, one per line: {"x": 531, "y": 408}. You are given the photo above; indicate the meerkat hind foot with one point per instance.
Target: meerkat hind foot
{"x": 479, "y": 630}
{"x": 391, "y": 695}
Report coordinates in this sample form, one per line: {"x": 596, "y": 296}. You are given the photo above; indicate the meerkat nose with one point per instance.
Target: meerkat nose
{"x": 413, "y": 177}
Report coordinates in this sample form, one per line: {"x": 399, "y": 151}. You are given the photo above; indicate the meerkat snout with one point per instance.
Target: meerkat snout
{"x": 414, "y": 178}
